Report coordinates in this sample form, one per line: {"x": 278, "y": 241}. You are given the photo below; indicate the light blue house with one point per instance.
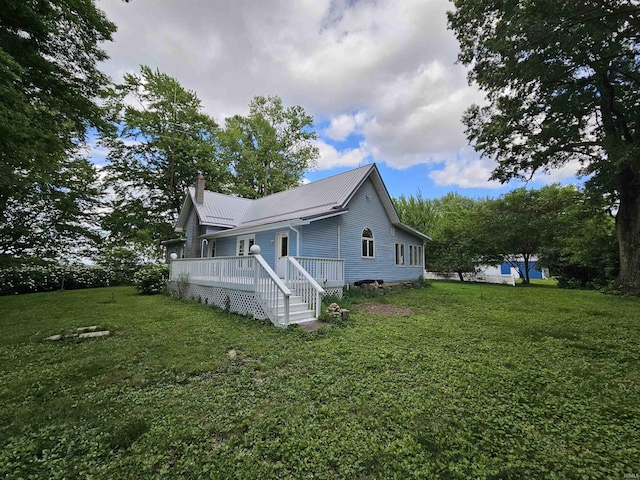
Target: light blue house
{"x": 319, "y": 237}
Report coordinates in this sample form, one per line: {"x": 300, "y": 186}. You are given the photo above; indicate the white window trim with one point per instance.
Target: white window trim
{"x": 403, "y": 256}
{"x": 247, "y": 239}
{"x": 372, "y": 239}
{"x": 415, "y": 255}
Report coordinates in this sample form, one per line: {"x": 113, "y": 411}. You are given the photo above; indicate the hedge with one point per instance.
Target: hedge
{"x": 44, "y": 278}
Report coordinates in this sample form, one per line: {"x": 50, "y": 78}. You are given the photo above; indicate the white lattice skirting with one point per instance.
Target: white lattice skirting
{"x": 236, "y": 301}
{"x": 333, "y": 291}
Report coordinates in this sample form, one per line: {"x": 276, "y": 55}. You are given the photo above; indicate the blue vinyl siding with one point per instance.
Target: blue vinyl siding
{"x": 319, "y": 239}
{"x": 226, "y": 247}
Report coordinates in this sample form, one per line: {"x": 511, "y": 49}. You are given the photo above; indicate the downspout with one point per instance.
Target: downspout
{"x": 338, "y": 241}
{"x": 297, "y": 239}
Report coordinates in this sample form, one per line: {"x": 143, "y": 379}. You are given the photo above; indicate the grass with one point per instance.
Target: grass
{"x": 480, "y": 381}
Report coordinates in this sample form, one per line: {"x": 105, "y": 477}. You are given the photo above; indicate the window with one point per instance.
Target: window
{"x": 415, "y": 255}
{"x": 244, "y": 244}
{"x": 400, "y": 254}
{"x": 212, "y": 248}
{"x": 204, "y": 248}
{"x": 367, "y": 243}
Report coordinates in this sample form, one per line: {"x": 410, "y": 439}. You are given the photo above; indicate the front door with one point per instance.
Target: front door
{"x": 282, "y": 251}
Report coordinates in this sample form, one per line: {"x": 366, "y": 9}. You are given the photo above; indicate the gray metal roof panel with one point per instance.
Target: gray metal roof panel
{"x": 220, "y": 209}
{"x": 312, "y": 199}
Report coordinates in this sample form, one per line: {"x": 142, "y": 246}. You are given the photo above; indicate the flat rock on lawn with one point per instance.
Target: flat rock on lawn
{"x": 103, "y": 333}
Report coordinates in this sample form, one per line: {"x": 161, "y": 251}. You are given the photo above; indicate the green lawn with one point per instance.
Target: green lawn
{"x": 480, "y": 381}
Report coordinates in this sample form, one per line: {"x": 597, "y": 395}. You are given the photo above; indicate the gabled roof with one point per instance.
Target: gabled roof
{"x": 216, "y": 210}
{"x": 309, "y": 202}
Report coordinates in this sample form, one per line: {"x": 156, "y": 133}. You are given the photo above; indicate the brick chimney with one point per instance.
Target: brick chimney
{"x": 200, "y": 189}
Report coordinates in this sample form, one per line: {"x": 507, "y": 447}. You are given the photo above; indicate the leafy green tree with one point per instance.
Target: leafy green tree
{"x": 163, "y": 141}
{"x": 270, "y": 149}
{"x": 49, "y": 84}
{"x": 519, "y": 224}
{"x": 582, "y": 253}
{"x": 457, "y": 239}
{"x": 562, "y": 84}
{"x": 56, "y": 218}
{"x": 416, "y": 212}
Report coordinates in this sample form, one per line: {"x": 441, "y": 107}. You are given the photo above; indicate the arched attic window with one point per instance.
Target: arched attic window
{"x": 367, "y": 243}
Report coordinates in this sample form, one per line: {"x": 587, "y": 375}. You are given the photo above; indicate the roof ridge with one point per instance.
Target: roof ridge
{"x": 370, "y": 165}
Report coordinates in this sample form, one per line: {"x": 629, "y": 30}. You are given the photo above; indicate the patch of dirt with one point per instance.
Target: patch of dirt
{"x": 385, "y": 309}
{"x": 311, "y": 326}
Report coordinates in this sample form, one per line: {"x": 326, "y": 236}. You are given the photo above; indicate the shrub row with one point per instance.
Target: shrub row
{"x": 150, "y": 279}
{"x": 44, "y": 278}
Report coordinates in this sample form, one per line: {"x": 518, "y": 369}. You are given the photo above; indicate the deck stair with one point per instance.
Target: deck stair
{"x": 299, "y": 311}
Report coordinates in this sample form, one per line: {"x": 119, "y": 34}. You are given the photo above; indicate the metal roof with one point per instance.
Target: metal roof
{"x": 220, "y": 210}
{"x": 318, "y": 199}
{"x": 306, "y": 201}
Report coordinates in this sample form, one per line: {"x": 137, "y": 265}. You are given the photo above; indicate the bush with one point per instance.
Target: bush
{"x": 19, "y": 279}
{"x": 152, "y": 279}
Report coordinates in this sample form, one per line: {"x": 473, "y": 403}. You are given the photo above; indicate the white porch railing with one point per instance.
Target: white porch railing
{"x": 245, "y": 273}
{"x": 304, "y": 285}
{"x": 218, "y": 272}
{"x": 328, "y": 272}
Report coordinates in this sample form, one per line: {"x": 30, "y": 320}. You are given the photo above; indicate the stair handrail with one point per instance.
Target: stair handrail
{"x": 267, "y": 301}
{"x": 311, "y": 281}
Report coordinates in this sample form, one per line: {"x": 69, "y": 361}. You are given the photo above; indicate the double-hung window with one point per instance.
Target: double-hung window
{"x": 400, "y": 254}
{"x": 415, "y": 255}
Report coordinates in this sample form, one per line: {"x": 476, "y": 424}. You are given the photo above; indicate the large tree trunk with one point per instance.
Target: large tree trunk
{"x": 628, "y": 232}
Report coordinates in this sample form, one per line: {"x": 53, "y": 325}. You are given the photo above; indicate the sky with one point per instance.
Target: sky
{"x": 379, "y": 77}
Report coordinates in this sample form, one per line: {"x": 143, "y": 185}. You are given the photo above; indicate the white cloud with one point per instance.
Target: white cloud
{"x": 466, "y": 173}
{"x": 331, "y": 158}
{"x": 570, "y": 170}
{"x": 344, "y": 125}
{"x": 383, "y": 70}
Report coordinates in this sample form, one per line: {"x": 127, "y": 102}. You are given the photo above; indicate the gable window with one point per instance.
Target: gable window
{"x": 367, "y": 243}
{"x": 204, "y": 248}
{"x": 400, "y": 254}
{"x": 415, "y": 255}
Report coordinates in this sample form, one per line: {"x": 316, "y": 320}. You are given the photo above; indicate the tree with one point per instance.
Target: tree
{"x": 164, "y": 140}
{"x": 49, "y": 51}
{"x": 416, "y": 212}
{"x": 562, "y": 85}
{"x": 457, "y": 240}
{"x": 582, "y": 252}
{"x": 55, "y": 217}
{"x": 522, "y": 222}
{"x": 270, "y": 149}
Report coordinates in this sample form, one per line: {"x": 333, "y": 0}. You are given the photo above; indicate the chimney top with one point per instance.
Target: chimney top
{"x": 200, "y": 189}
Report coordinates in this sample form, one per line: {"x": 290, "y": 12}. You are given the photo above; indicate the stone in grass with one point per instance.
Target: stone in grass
{"x": 54, "y": 338}
{"x": 232, "y": 353}
{"x": 92, "y": 328}
{"x": 103, "y": 333}
{"x": 334, "y": 310}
